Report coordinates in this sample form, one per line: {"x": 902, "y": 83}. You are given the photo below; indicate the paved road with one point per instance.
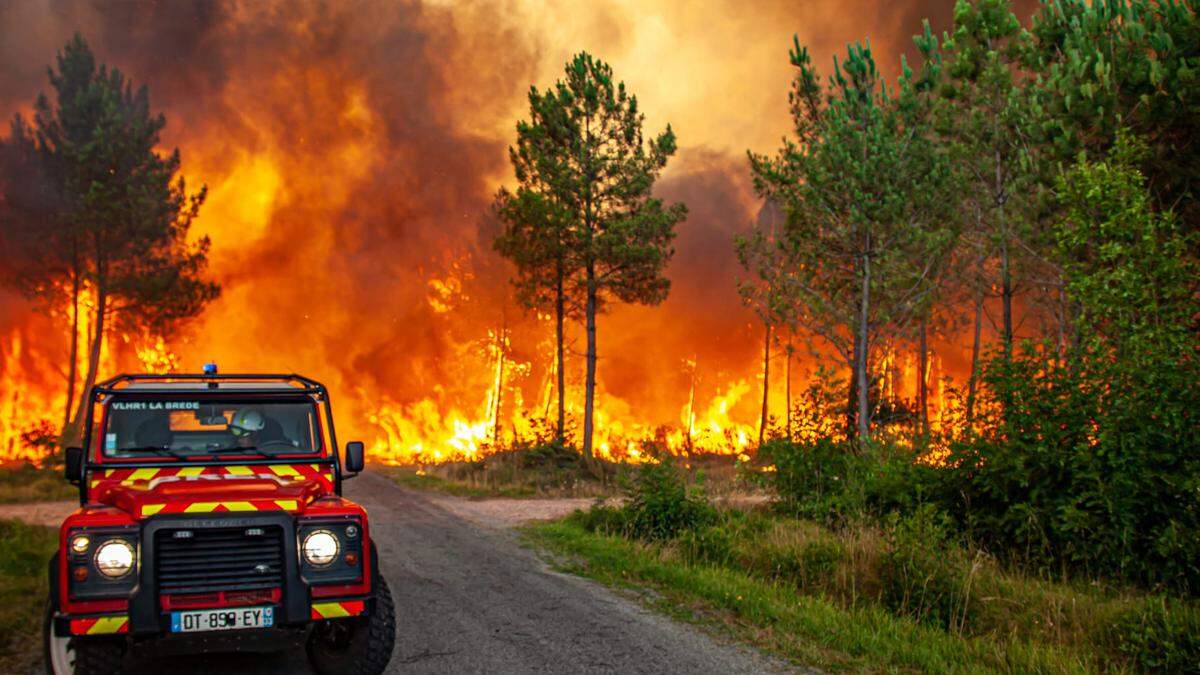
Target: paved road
{"x": 470, "y": 599}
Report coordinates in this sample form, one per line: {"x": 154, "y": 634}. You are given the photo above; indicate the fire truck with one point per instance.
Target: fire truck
{"x": 211, "y": 518}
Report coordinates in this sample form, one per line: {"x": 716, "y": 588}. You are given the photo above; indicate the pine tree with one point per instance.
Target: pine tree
{"x": 862, "y": 185}
{"x": 593, "y": 185}
{"x": 537, "y": 229}
{"x": 122, "y": 215}
{"x": 990, "y": 120}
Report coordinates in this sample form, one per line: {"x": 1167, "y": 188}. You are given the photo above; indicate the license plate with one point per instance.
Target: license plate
{"x": 222, "y": 619}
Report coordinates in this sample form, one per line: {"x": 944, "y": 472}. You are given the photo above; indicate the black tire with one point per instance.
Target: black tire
{"x": 93, "y": 656}
{"x": 98, "y": 656}
{"x": 360, "y": 646}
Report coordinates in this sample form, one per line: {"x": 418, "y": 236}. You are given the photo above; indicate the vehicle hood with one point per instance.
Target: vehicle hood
{"x": 210, "y": 493}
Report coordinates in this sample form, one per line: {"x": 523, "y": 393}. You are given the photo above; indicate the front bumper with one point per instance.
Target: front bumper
{"x": 119, "y": 624}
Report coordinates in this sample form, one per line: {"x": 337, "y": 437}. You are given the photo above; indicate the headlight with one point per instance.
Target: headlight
{"x": 320, "y": 548}
{"x": 114, "y": 558}
{"x": 80, "y": 543}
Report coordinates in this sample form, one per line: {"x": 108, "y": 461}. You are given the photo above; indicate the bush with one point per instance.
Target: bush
{"x": 603, "y": 519}
{"x": 661, "y": 505}
{"x": 924, "y": 573}
{"x": 833, "y": 481}
{"x": 712, "y": 544}
{"x": 1160, "y": 635}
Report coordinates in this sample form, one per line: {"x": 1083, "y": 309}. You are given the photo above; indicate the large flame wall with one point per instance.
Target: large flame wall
{"x": 352, "y": 151}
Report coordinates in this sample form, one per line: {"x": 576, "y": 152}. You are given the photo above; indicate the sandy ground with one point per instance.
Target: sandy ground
{"x": 50, "y": 514}
{"x": 507, "y": 513}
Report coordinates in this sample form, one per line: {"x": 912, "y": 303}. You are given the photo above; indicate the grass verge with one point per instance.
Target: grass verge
{"x": 419, "y": 479}
{"x": 810, "y": 628}
{"x": 28, "y": 483}
{"x": 24, "y": 550}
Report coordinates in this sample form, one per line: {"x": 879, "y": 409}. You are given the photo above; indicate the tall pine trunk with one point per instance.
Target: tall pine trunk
{"x": 923, "y": 377}
{"x": 498, "y": 394}
{"x": 973, "y": 380}
{"x": 559, "y": 315}
{"x": 77, "y": 430}
{"x": 787, "y": 388}
{"x": 860, "y": 350}
{"x": 1006, "y": 288}
{"x": 589, "y": 392}
{"x": 762, "y": 419}
{"x": 73, "y": 365}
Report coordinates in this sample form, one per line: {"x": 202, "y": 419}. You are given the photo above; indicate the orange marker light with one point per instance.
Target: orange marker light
{"x": 351, "y": 559}
{"x": 80, "y": 574}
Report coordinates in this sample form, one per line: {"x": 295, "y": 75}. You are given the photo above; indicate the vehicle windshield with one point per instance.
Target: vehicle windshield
{"x": 183, "y": 427}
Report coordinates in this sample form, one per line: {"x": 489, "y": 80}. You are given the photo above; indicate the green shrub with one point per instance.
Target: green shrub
{"x": 924, "y": 574}
{"x": 1159, "y": 635}
{"x": 603, "y": 519}
{"x": 661, "y": 505}
{"x": 835, "y": 481}
{"x": 712, "y": 544}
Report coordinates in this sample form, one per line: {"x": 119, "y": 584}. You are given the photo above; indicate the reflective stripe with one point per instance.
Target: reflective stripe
{"x": 284, "y": 470}
{"x": 188, "y": 471}
{"x": 238, "y": 506}
{"x": 108, "y": 624}
{"x": 201, "y": 507}
{"x": 337, "y": 610}
{"x": 105, "y": 625}
{"x": 151, "y": 509}
{"x": 239, "y": 471}
{"x": 286, "y": 504}
{"x": 143, "y": 474}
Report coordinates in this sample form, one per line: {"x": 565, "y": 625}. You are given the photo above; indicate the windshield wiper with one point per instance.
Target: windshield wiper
{"x": 158, "y": 450}
{"x": 238, "y": 449}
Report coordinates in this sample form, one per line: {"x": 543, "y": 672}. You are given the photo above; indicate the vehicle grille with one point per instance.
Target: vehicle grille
{"x": 219, "y": 559}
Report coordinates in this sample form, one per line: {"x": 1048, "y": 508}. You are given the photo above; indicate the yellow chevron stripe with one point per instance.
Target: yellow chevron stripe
{"x": 151, "y": 509}
{"x": 238, "y": 506}
{"x": 239, "y": 471}
{"x": 108, "y": 624}
{"x": 284, "y": 470}
{"x": 143, "y": 474}
{"x": 331, "y": 610}
{"x": 201, "y": 507}
{"x": 189, "y": 471}
{"x": 286, "y": 504}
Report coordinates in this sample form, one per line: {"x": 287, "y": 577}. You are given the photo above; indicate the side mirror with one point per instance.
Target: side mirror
{"x": 74, "y": 466}
{"x": 355, "y": 457}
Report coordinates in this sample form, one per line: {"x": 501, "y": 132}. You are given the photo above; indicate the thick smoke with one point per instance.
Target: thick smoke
{"x": 352, "y": 151}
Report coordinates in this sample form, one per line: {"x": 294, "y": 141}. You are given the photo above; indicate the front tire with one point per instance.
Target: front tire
{"x": 79, "y": 656}
{"x": 358, "y": 646}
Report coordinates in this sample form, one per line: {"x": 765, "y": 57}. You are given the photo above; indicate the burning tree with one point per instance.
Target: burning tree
{"x": 584, "y": 217}
{"x": 862, "y": 186}
{"x": 115, "y": 235}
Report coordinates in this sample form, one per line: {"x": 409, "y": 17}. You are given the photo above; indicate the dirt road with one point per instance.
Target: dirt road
{"x": 471, "y": 599}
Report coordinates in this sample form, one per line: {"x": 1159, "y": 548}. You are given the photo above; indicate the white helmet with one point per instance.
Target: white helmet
{"x": 247, "y": 421}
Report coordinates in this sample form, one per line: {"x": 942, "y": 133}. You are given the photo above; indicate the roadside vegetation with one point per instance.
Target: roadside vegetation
{"x": 23, "y": 556}
{"x": 29, "y": 483}
{"x": 845, "y": 590}
{"x": 551, "y": 469}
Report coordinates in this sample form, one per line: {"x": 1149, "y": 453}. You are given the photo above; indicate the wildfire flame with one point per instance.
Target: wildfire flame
{"x": 351, "y": 156}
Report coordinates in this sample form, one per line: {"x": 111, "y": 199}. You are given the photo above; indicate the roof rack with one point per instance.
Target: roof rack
{"x": 300, "y": 383}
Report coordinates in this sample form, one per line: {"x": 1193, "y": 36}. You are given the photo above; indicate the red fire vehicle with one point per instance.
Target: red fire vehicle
{"x": 211, "y": 518}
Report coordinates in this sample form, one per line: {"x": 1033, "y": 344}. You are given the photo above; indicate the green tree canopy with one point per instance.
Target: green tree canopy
{"x": 862, "y": 183}
{"x": 586, "y": 203}
{"x": 122, "y": 215}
